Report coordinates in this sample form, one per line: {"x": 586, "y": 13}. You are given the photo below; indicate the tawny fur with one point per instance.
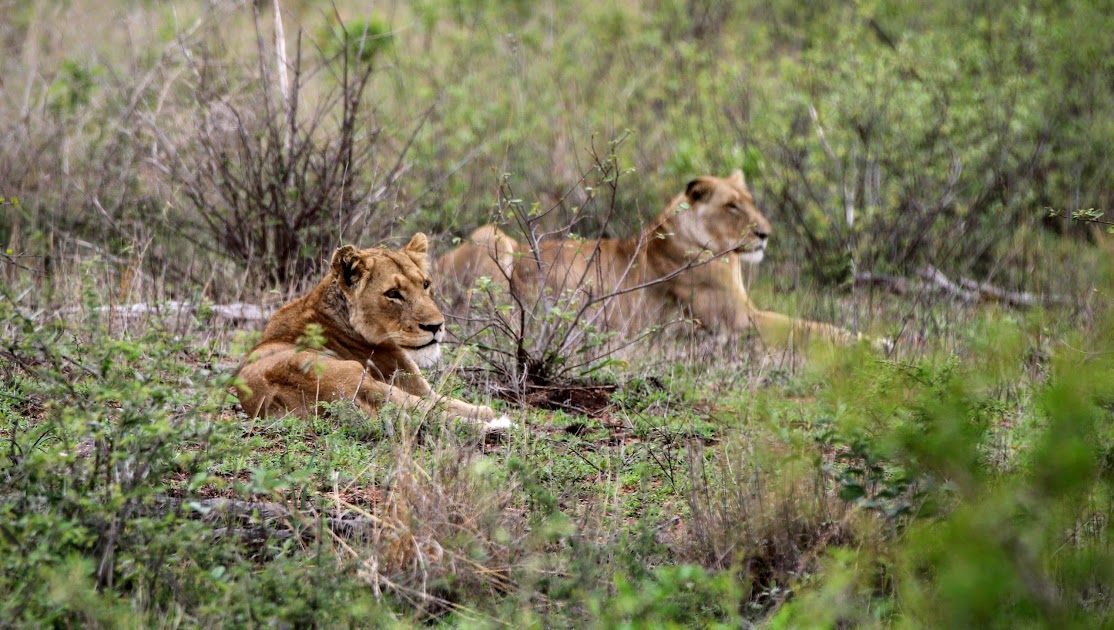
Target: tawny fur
{"x": 486, "y": 252}
{"x": 714, "y": 222}
{"x": 377, "y": 315}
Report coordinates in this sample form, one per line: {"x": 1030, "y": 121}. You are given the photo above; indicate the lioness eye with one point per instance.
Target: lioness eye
{"x": 393, "y": 294}
{"x": 425, "y": 284}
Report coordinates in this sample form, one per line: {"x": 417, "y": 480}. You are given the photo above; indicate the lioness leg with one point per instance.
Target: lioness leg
{"x": 422, "y": 404}
{"x": 784, "y": 330}
{"x": 291, "y": 381}
{"x": 718, "y": 299}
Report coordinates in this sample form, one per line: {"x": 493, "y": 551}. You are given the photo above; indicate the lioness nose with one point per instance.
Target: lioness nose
{"x": 762, "y": 235}
{"x": 433, "y": 328}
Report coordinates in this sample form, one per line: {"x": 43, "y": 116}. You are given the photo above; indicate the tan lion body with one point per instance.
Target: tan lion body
{"x": 690, "y": 258}
{"x": 377, "y": 318}
{"x": 486, "y": 252}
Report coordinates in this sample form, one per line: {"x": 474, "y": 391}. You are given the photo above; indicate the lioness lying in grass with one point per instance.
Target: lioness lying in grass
{"x": 377, "y": 324}
{"x": 689, "y": 258}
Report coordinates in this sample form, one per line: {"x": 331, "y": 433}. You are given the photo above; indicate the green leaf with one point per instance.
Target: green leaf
{"x": 851, "y": 491}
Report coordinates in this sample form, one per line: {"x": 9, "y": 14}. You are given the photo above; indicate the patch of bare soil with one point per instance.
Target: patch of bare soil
{"x": 586, "y": 400}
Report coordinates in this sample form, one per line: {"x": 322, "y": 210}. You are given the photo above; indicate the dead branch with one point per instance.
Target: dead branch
{"x": 935, "y": 277}
{"x": 895, "y": 284}
{"x": 236, "y": 311}
{"x": 1013, "y": 298}
{"x": 267, "y": 519}
{"x": 964, "y": 289}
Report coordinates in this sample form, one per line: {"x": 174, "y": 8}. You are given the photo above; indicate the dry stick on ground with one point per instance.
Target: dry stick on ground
{"x": 965, "y": 290}
{"x": 895, "y": 284}
{"x": 1016, "y": 298}
{"x": 238, "y": 311}
{"x": 935, "y": 277}
{"x": 274, "y": 517}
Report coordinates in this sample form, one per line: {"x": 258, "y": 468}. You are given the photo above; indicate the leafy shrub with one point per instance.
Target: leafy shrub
{"x": 97, "y": 428}
{"x": 981, "y": 545}
{"x": 276, "y": 185}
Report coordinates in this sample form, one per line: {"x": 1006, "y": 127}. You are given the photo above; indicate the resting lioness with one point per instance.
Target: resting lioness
{"x": 689, "y": 257}
{"x": 378, "y": 323}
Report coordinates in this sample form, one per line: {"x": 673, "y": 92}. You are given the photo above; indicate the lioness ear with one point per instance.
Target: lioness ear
{"x": 348, "y": 265}
{"x": 418, "y": 244}
{"x": 698, "y": 190}
{"x": 418, "y": 249}
{"x": 739, "y": 178}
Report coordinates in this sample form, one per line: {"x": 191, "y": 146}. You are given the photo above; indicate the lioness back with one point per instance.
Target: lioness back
{"x": 487, "y": 252}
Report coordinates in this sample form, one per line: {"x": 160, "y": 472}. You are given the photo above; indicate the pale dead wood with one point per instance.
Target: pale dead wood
{"x": 937, "y": 278}
{"x": 896, "y": 284}
{"x": 1015, "y": 298}
{"x": 267, "y": 519}
{"x": 963, "y": 289}
{"x": 236, "y": 311}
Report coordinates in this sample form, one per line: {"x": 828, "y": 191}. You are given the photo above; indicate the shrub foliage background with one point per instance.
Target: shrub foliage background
{"x": 878, "y": 135}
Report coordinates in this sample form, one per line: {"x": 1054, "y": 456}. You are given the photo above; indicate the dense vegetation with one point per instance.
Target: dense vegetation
{"x": 155, "y": 151}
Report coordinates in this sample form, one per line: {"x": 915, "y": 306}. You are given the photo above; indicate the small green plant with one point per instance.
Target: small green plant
{"x": 1087, "y": 215}
{"x": 312, "y": 338}
{"x": 356, "y": 42}
{"x": 72, "y": 87}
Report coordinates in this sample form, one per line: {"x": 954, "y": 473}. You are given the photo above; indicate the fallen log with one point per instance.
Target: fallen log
{"x": 964, "y": 290}
{"x": 236, "y": 311}
{"x": 896, "y": 284}
{"x": 1015, "y": 298}
{"x": 937, "y": 278}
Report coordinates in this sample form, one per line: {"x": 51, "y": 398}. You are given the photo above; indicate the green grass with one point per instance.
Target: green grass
{"x": 748, "y": 487}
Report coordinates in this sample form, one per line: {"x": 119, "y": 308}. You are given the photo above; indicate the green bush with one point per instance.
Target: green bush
{"x": 988, "y": 539}
{"x": 877, "y": 135}
{"x": 97, "y": 428}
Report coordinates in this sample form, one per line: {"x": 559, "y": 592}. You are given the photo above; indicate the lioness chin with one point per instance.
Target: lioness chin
{"x": 689, "y": 258}
{"x": 378, "y": 324}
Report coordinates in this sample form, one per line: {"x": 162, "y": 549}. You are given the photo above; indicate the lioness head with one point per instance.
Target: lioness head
{"x": 721, "y": 216}
{"x": 389, "y": 297}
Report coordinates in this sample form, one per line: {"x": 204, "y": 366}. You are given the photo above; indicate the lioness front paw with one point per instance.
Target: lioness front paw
{"x": 878, "y": 344}
{"x": 473, "y": 412}
{"x": 502, "y": 423}
{"x": 882, "y": 344}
